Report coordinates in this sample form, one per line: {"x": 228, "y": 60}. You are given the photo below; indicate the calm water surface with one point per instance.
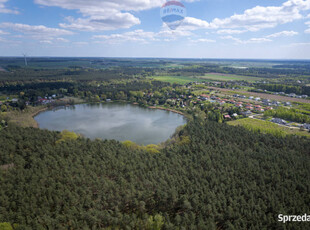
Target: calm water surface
{"x": 113, "y": 121}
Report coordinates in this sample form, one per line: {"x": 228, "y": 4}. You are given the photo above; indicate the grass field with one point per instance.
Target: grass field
{"x": 267, "y": 127}
{"x": 177, "y": 79}
{"x": 228, "y": 77}
{"x": 3, "y": 97}
{"x": 25, "y": 118}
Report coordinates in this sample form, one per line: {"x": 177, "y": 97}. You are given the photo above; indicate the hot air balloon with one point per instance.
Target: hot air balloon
{"x": 173, "y": 13}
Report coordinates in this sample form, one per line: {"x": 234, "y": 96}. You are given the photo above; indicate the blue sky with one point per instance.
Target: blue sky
{"x": 267, "y": 29}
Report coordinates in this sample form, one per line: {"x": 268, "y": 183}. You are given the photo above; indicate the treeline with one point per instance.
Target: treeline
{"x": 86, "y": 74}
{"x": 215, "y": 177}
{"x": 199, "y": 69}
{"x": 297, "y": 89}
{"x": 288, "y": 114}
{"x": 88, "y": 90}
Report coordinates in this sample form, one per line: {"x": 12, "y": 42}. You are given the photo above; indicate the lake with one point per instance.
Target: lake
{"x": 119, "y": 121}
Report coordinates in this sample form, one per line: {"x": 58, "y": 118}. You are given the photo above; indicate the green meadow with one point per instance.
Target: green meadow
{"x": 229, "y": 77}
{"x": 177, "y": 79}
{"x": 267, "y": 127}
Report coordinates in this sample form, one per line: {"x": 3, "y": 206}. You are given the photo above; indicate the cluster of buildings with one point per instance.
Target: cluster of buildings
{"x": 46, "y": 100}
{"x": 279, "y": 121}
{"x": 306, "y": 126}
{"x": 292, "y": 95}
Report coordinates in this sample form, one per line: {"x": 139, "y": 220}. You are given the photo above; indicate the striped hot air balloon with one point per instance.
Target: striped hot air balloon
{"x": 173, "y": 13}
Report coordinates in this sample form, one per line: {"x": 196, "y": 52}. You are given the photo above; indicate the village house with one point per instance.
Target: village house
{"x": 306, "y": 126}
{"x": 249, "y": 107}
{"x": 279, "y": 121}
{"x": 287, "y": 103}
{"x": 246, "y": 113}
{"x": 292, "y": 95}
{"x": 260, "y": 110}
{"x": 227, "y": 117}
{"x": 265, "y": 100}
{"x": 213, "y": 97}
{"x": 204, "y": 98}
{"x": 276, "y": 103}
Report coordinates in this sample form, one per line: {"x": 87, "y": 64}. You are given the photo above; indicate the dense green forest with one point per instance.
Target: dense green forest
{"x": 210, "y": 176}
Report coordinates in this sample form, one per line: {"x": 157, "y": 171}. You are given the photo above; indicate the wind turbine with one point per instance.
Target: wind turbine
{"x": 25, "y": 57}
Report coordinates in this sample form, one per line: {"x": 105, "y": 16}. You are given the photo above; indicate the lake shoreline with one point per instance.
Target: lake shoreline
{"x": 118, "y": 121}
{"x": 166, "y": 109}
{"x": 36, "y": 124}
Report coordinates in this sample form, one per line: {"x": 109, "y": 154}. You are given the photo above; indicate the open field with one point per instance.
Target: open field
{"x": 263, "y": 95}
{"x": 3, "y": 97}
{"x": 25, "y": 118}
{"x": 177, "y": 79}
{"x": 229, "y": 77}
{"x": 267, "y": 127}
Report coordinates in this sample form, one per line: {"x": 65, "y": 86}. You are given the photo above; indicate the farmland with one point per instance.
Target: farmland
{"x": 228, "y": 77}
{"x": 177, "y": 79}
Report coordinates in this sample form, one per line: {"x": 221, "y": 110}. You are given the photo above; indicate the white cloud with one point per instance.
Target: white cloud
{"x": 283, "y": 34}
{"x": 142, "y": 36}
{"x": 299, "y": 44}
{"x": 61, "y": 40}
{"x": 97, "y": 7}
{"x": 46, "y": 42}
{"x": 258, "y": 40}
{"x": 36, "y": 32}
{"x": 307, "y": 31}
{"x": 166, "y": 32}
{"x": 5, "y": 10}
{"x": 80, "y": 43}
{"x": 190, "y": 23}
{"x": 132, "y": 36}
{"x": 249, "y": 41}
{"x": 203, "y": 40}
{"x": 101, "y": 15}
{"x": 230, "y": 31}
{"x": 117, "y": 20}
{"x": 3, "y": 33}
{"x": 264, "y": 17}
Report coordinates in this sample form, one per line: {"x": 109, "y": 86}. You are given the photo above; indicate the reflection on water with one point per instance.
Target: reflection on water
{"x": 113, "y": 121}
